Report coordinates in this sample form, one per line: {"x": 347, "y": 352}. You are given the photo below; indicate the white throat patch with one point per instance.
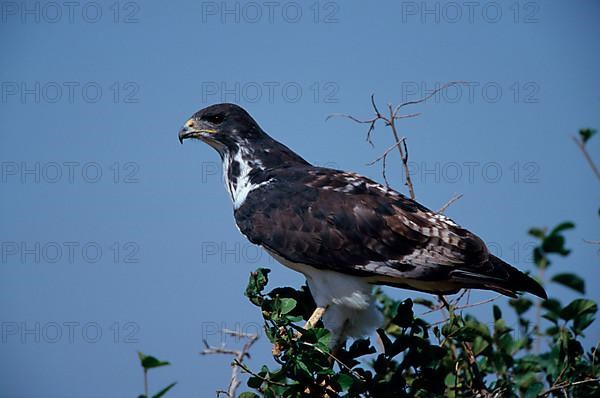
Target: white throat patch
{"x": 243, "y": 186}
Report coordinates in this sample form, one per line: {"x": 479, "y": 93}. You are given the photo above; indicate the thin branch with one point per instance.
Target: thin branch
{"x": 371, "y": 122}
{"x": 387, "y": 151}
{"x": 565, "y": 385}
{"x": 425, "y": 98}
{"x": 239, "y": 356}
{"x": 450, "y": 202}
{"x": 378, "y": 116}
{"x": 403, "y": 151}
{"x": 460, "y": 307}
{"x": 377, "y": 113}
{"x": 383, "y": 158}
{"x": 480, "y": 388}
{"x": 586, "y": 155}
{"x": 354, "y": 119}
{"x": 209, "y": 350}
{"x": 460, "y": 296}
{"x": 145, "y": 382}
{"x": 390, "y": 120}
{"x": 408, "y": 116}
{"x": 594, "y": 357}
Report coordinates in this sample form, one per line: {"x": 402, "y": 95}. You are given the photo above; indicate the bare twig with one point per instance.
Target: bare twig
{"x": 586, "y": 155}
{"x": 538, "y": 316}
{"x": 403, "y": 151}
{"x": 460, "y": 307}
{"x": 581, "y": 145}
{"x": 145, "y": 381}
{"x": 566, "y": 385}
{"x": 387, "y": 151}
{"x": 450, "y": 202}
{"x": 594, "y": 357}
{"x": 239, "y": 356}
{"x": 370, "y": 122}
{"x": 460, "y": 296}
{"x": 383, "y": 158}
{"x": 425, "y": 98}
{"x": 390, "y": 120}
{"x": 592, "y": 242}
{"x": 480, "y": 387}
{"x": 478, "y": 303}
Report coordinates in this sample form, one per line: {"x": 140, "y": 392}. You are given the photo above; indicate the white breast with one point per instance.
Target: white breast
{"x": 352, "y": 310}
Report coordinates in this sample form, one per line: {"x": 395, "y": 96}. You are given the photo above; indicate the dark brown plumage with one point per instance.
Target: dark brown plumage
{"x": 328, "y": 219}
{"x": 345, "y": 222}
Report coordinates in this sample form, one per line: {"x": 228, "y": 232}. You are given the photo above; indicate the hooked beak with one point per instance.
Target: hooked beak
{"x": 194, "y": 129}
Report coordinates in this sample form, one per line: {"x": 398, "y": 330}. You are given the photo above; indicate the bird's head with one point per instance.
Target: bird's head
{"x": 231, "y": 131}
{"x": 225, "y": 127}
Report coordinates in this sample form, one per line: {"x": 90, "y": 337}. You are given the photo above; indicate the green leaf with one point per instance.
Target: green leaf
{"x": 562, "y": 227}
{"x": 360, "y": 347}
{"x": 552, "y": 305}
{"x": 254, "y": 382}
{"x": 404, "y": 317}
{"x": 497, "y": 312}
{"x": 551, "y": 317}
{"x": 582, "y": 322}
{"x": 554, "y": 308}
{"x": 521, "y": 305}
{"x": 345, "y": 381}
{"x": 577, "y": 308}
{"x": 248, "y": 395}
{"x": 164, "y": 391}
{"x": 149, "y": 362}
{"x": 534, "y": 390}
{"x": 317, "y": 336}
{"x": 537, "y": 232}
{"x": 479, "y": 345}
{"x": 555, "y": 244}
{"x": 287, "y": 305}
{"x": 472, "y": 330}
{"x": 586, "y": 134}
{"x": 256, "y": 284}
{"x": 571, "y": 281}
{"x": 424, "y": 302}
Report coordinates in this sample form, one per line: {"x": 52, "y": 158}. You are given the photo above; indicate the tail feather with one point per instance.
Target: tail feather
{"x": 497, "y": 275}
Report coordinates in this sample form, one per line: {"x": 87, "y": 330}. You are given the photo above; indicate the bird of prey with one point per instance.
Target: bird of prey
{"x": 343, "y": 231}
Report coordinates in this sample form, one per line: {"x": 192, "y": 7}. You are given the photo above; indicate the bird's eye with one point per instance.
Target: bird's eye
{"x": 214, "y": 119}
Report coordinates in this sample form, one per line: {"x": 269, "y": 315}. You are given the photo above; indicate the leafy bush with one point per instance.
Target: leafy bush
{"x": 461, "y": 357}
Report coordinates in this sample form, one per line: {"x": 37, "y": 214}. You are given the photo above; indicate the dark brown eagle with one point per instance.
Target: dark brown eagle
{"x": 343, "y": 231}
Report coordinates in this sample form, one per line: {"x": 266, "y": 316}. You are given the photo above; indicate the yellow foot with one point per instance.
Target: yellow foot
{"x": 314, "y": 318}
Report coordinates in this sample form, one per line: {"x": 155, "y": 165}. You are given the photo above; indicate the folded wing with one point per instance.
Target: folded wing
{"x": 341, "y": 221}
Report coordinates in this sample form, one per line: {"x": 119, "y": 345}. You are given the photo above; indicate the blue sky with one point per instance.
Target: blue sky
{"x": 117, "y": 239}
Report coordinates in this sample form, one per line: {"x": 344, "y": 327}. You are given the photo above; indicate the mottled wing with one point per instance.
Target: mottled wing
{"x": 341, "y": 221}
